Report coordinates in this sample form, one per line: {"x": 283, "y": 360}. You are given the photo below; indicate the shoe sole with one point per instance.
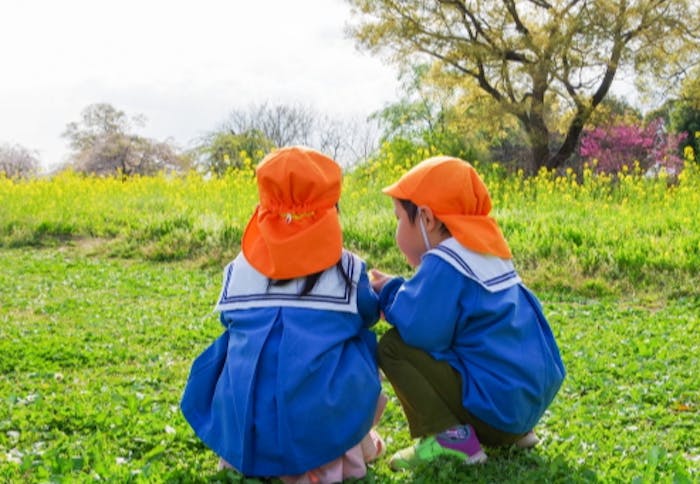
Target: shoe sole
{"x": 478, "y": 458}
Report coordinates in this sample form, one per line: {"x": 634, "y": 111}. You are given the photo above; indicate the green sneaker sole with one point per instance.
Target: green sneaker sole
{"x": 428, "y": 450}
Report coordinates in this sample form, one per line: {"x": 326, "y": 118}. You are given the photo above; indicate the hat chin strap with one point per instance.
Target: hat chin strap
{"x": 423, "y": 232}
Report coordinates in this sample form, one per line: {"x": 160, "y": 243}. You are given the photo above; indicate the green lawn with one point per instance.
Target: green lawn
{"x": 95, "y": 350}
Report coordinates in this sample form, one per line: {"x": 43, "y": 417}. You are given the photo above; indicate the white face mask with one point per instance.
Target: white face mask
{"x": 423, "y": 232}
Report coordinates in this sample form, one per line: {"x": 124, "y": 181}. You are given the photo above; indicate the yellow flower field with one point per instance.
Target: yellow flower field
{"x": 570, "y": 230}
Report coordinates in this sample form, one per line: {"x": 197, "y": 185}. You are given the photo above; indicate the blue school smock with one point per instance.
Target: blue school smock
{"x": 473, "y": 311}
{"x": 292, "y": 383}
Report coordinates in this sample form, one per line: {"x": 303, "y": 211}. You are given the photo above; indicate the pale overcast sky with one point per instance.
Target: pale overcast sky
{"x": 183, "y": 64}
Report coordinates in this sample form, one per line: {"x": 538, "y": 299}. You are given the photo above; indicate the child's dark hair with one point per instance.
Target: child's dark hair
{"x": 311, "y": 280}
{"x": 412, "y": 212}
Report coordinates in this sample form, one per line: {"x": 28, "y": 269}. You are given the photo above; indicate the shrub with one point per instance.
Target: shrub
{"x": 620, "y": 145}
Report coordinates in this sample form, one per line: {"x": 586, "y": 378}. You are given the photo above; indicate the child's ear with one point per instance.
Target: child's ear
{"x": 428, "y": 218}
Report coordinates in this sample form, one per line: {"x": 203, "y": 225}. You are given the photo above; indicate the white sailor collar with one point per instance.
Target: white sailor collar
{"x": 491, "y": 272}
{"x": 245, "y": 288}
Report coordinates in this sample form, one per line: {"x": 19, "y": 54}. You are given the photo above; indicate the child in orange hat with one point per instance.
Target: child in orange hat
{"x": 291, "y": 388}
{"x": 471, "y": 356}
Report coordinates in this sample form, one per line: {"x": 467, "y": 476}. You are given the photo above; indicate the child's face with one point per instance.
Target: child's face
{"x": 408, "y": 235}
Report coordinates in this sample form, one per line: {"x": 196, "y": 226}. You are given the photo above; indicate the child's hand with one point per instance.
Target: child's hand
{"x": 377, "y": 279}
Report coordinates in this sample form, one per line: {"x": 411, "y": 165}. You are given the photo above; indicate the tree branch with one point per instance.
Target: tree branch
{"x": 513, "y": 11}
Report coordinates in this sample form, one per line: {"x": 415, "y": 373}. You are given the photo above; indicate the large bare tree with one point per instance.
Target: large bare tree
{"x": 548, "y": 63}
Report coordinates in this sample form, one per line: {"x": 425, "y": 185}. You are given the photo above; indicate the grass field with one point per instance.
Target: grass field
{"x": 107, "y": 287}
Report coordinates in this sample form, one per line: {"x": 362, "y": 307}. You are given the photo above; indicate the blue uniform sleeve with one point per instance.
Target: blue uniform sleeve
{"x": 426, "y": 308}
{"x": 388, "y": 292}
{"x": 367, "y": 300}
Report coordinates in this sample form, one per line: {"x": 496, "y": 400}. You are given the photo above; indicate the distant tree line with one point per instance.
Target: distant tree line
{"x": 104, "y": 142}
{"x": 524, "y": 84}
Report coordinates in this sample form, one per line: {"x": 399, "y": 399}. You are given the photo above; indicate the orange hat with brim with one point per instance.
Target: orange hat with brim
{"x": 456, "y": 194}
{"x": 295, "y": 230}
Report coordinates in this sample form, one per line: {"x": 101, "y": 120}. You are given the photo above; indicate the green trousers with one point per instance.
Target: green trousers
{"x": 430, "y": 392}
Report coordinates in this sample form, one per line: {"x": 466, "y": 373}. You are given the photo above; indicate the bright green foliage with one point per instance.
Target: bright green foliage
{"x": 225, "y": 151}
{"x": 414, "y": 123}
{"x": 685, "y": 115}
{"x": 613, "y": 111}
{"x": 681, "y": 115}
{"x": 427, "y": 117}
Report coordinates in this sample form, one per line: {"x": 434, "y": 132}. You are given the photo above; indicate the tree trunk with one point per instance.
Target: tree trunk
{"x": 538, "y": 135}
{"x": 569, "y": 145}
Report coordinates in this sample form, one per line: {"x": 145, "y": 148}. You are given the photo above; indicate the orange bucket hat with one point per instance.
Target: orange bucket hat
{"x": 295, "y": 229}
{"x": 456, "y": 194}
